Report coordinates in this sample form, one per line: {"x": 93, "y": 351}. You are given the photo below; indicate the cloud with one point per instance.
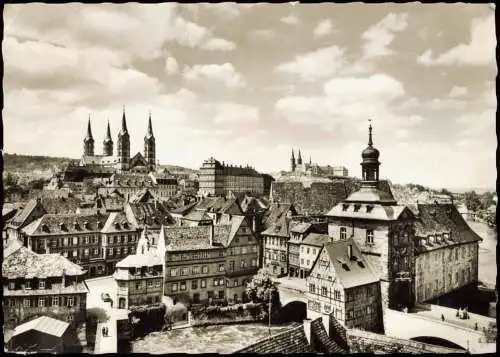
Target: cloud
{"x": 290, "y": 20}
{"x": 381, "y": 35}
{"x": 456, "y": 92}
{"x": 324, "y": 28}
{"x": 171, "y": 66}
{"x": 348, "y": 99}
{"x": 317, "y": 64}
{"x": 480, "y": 50}
{"x": 221, "y": 73}
{"x": 235, "y": 113}
{"x": 218, "y": 44}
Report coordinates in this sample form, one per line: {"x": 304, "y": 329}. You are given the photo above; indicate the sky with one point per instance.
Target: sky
{"x": 246, "y": 83}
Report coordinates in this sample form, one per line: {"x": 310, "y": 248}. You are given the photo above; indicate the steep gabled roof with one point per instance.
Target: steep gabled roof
{"x": 21, "y": 217}
{"x": 187, "y": 238}
{"x": 320, "y": 338}
{"x": 197, "y": 216}
{"x": 224, "y": 234}
{"x": 183, "y": 210}
{"x": 118, "y": 222}
{"x": 350, "y": 272}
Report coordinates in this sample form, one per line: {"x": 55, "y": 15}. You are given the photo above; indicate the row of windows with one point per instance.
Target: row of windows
{"x": 366, "y": 310}
{"x": 148, "y": 300}
{"x": 369, "y": 238}
{"x": 308, "y": 250}
{"x": 150, "y": 283}
{"x": 74, "y": 241}
{"x": 276, "y": 241}
{"x": 123, "y": 251}
{"x": 83, "y": 252}
{"x": 196, "y": 255}
{"x": 275, "y": 256}
{"x": 242, "y": 250}
{"x": 202, "y": 284}
{"x": 44, "y": 302}
{"x": 325, "y": 291}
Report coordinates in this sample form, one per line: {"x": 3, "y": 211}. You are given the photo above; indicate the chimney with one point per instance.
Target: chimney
{"x": 211, "y": 236}
{"x": 349, "y": 251}
{"x": 307, "y": 330}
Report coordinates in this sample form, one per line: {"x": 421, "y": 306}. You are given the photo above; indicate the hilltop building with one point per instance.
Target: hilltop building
{"x": 300, "y": 167}
{"x": 217, "y": 179}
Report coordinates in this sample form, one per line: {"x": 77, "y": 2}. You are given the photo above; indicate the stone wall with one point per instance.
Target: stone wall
{"x": 312, "y": 198}
{"x": 360, "y": 341}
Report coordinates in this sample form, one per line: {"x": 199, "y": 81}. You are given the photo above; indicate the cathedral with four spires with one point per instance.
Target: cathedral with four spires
{"x": 121, "y": 161}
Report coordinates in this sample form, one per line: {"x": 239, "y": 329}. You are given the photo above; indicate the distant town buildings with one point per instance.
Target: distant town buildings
{"x": 300, "y": 167}
{"x": 218, "y": 179}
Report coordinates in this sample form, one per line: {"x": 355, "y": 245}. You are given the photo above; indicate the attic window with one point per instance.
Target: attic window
{"x": 357, "y": 207}
{"x": 76, "y": 225}
{"x": 361, "y": 264}
{"x": 45, "y": 228}
{"x": 125, "y": 225}
{"x": 62, "y": 226}
{"x": 369, "y": 208}
{"x": 117, "y": 225}
{"x": 423, "y": 242}
{"x": 438, "y": 238}
{"x": 430, "y": 240}
{"x": 345, "y": 267}
{"x": 99, "y": 224}
{"x": 345, "y": 207}
{"x": 86, "y": 225}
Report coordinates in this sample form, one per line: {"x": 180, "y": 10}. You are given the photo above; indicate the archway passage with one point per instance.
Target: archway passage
{"x": 294, "y": 311}
{"x": 437, "y": 342}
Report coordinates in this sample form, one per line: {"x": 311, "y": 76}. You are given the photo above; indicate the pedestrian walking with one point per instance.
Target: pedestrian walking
{"x": 442, "y": 317}
{"x": 475, "y": 326}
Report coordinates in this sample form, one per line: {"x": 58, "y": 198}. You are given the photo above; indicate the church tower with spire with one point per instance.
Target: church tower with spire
{"x": 107, "y": 144}
{"x": 88, "y": 142}
{"x": 292, "y": 162}
{"x": 124, "y": 144}
{"x": 299, "y": 160}
{"x": 150, "y": 146}
{"x": 370, "y": 164}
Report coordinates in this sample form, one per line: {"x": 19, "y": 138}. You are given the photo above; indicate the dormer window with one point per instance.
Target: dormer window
{"x": 12, "y": 285}
{"x": 369, "y": 208}
{"x": 86, "y": 225}
{"x": 431, "y": 239}
{"x": 423, "y": 241}
{"x": 27, "y": 284}
{"x": 117, "y": 225}
{"x": 345, "y": 206}
{"x": 357, "y": 207}
{"x": 62, "y": 226}
{"x": 99, "y": 224}
{"x": 75, "y": 225}
{"x": 41, "y": 284}
{"x": 438, "y": 239}
{"x": 45, "y": 228}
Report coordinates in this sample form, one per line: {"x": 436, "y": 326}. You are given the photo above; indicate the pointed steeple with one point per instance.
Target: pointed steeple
{"x": 89, "y": 130}
{"x": 108, "y": 132}
{"x": 310, "y": 162}
{"x": 293, "y": 155}
{"x": 124, "y": 123}
{"x": 299, "y": 160}
{"x": 292, "y": 161}
{"x": 150, "y": 127}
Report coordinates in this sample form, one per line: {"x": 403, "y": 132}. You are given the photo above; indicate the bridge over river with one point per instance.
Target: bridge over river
{"x": 419, "y": 325}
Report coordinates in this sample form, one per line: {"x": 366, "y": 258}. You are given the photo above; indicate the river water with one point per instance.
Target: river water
{"x": 207, "y": 339}
{"x": 228, "y": 338}
{"x": 487, "y": 252}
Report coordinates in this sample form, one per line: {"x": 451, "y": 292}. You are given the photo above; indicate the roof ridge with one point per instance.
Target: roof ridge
{"x": 271, "y": 337}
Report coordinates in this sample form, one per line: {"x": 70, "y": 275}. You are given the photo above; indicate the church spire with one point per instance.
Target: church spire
{"x": 299, "y": 160}
{"x": 108, "y": 142}
{"x": 124, "y": 122}
{"x": 150, "y": 126}
{"x": 89, "y": 130}
{"x": 370, "y": 142}
{"x": 108, "y": 132}
{"x": 88, "y": 142}
{"x": 292, "y": 161}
